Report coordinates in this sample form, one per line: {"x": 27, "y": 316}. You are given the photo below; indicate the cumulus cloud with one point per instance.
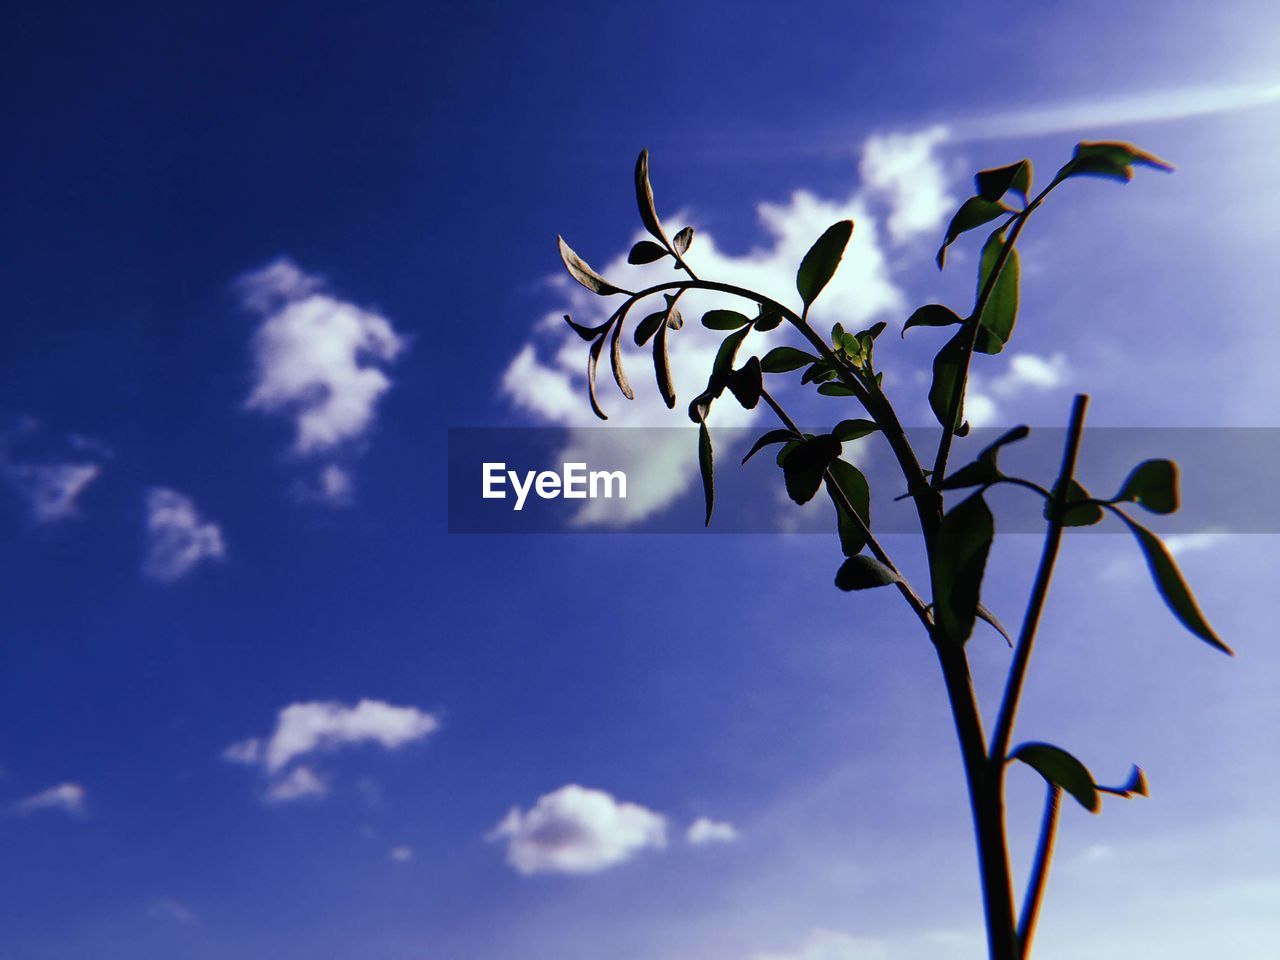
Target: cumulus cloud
{"x": 306, "y": 729}
{"x": 830, "y": 945}
{"x": 49, "y": 486}
{"x": 68, "y": 798}
{"x": 320, "y": 362}
{"x": 179, "y": 539}
{"x": 577, "y": 830}
{"x": 1023, "y": 373}
{"x": 401, "y": 854}
{"x": 705, "y": 831}
{"x": 547, "y": 379}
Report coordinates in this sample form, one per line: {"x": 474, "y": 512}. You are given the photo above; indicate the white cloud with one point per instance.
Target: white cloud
{"x": 547, "y": 377}
{"x": 578, "y": 830}
{"x": 172, "y": 909}
{"x": 320, "y": 361}
{"x": 179, "y": 539}
{"x": 304, "y": 729}
{"x": 50, "y": 486}
{"x": 830, "y": 945}
{"x": 704, "y": 831}
{"x": 401, "y": 854}
{"x": 1023, "y": 373}
{"x": 68, "y": 798}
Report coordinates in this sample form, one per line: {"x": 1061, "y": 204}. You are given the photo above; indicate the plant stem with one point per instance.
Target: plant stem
{"x": 1039, "y": 870}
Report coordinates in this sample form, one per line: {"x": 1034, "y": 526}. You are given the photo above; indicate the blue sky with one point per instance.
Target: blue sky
{"x": 257, "y": 702}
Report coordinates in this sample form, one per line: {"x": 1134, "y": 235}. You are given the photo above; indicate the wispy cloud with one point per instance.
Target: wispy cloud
{"x": 321, "y": 363}
{"x": 49, "y": 484}
{"x": 704, "y": 831}
{"x": 179, "y": 539}
{"x": 68, "y": 798}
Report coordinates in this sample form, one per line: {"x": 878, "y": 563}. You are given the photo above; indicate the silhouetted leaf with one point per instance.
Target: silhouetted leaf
{"x": 593, "y": 359}
{"x": 747, "y": 383}
{"x": 995, "y": 183}
{"x": 959, "y": 561}
{"x": 843, "y": 478}
{"x": 644, "y": 198}
{"x": 784, "y": 359}
{"x": 768, "y": 320}
{"x": 706, "y": 467}
{"x": 586, "y": 333}
{"x": 581, "y": 271}
{"x": 647, "y": 327}
{"x": 675, "y": 320}
{"x": 853, "y": 429}
{"x": 724, "y": 320}
{"x": 1110, "y": 159}
{"x": 946, "y": 380}
{"x": 1078, "y": 511}
{"x": 773, "y": 436}
{"x": 1135, "y": 786}
{"x": 683, "y": 240}
{"x": 931, "y": 315}
{"x": 985, "y": 614}
{"x": 661, "y": 367}
{"x": 820, "y": 263}
{"x": 973, "y": 213}
{"x": 645, "y": 251}
{"x": 820, "y": 371}
{"x": 722, "y": 366}
{"x": 805, "y": 463}
{"x": 836, "y": 390}
{"x": 1173, "y": 589}
{"x": 1153, "y": 484}
{"x": 1062, "y": 769}
{"x": 984, "y": 469}
{"x": 615, "y": 360}
{"x": 864, "y": 573}
{"x": 1001, "y": 310}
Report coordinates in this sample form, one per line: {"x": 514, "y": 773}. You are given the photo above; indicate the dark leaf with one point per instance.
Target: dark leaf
{"x": 581, "y": 271}
{"x": 864, "y": 573}
{"x": 773, "y": 436}
{"x": 645, "y": 251}
{"x": 722, "y": 366}
{"x": 874, "y": 330}
{"x": 786, "y": 450}
{"x": 647, "y": 327}
{"x": 846, "y": 482}
{"x": 593, "y": 359}
{"x": 805, "y": 463}
{"x": 820, "y": 371}
{"x": 783, "y": 359}
{"x": 1173, "y": 589}
{"x": 747, "y": 383}
{"x": 661, "y": 368}
{"x": 995, "y": 183}
{"x": 973, "y": 213}
{"x": 931, "y": 315}
{"x": 1135, "y": 786}
{"x": 819, "y": 264}
{"x": 1078, "y": 512}
{"x": 724, "y": 320}
{"x": 836, "y": 390}
{"x": 586, "y": 333}
{"x": 615, "y": 360}
{"x": 644, "y": 198}
{"x": 706, "y": 467}
{"x": 853, "y": 429}
{"x": 675, "y": 319}
{"x": 1113, "y": 160}
{"x": 984, "y": 469}
{"x": 768, "y": 320}
{"x": 1061, "y": 769}
{"x": 682, "y": 240}
{"x": 959, "y": 561}
{"x": 990, "y": 618}
{"x": 946, "y": 380}
{"x": 1001, "y": 310}
{"x": 1153, "y": 484}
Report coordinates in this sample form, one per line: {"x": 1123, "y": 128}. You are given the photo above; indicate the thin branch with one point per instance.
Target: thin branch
{"x": 1039, "y": 870}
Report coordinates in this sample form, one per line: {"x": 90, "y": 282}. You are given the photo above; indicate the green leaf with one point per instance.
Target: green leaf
{"x": 1001, "y": 310}
{"x": 959, "y": 561}
{"x": 864, "y": 573}
{"x": 820, "y": 371}
{"x": 644, "y": 199}
{"x": 946, "y": 381}
{"x": 836, "y": 390}
{"x": 1061, "y": 769}
{"x": 581, "y": 271}
{"x": 931, "y": 315}
{"x": 1111, "y": 159}
{"x": 1173, "y": 589}
{"x": 819, "y": 264}
{"x": 662, "y": 368}
{"x": 844, "y": 478}
{"x": 973, "y": 213}
{"x": 615, "y": 361}
{"x": 1153, "y": 485}
{"x": 805, "y": 464}
{"x": 724, "y": 320}
{"x": 647, "y": 327}
{"x": 1075, "y": 513}
{"x": 784, "y": 359}
{"x": 683, "y": 240}
{"x": 706, "y": 466}
{"x": 853, "y": 429}
{"x": 747, "y": 383}
{"x": 995, "y": 183}
{"x": 768, "y": 320}
{"x": 773, "y": 436}
{"x": 984, "y": 469}
{"x": 645, "y": 251}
